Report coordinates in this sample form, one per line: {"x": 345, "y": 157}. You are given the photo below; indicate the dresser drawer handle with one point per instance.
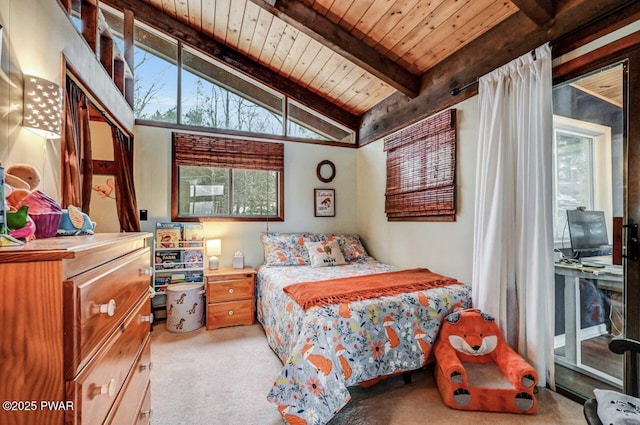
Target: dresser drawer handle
{"x": 230, "y": 312}
{"x": 146, "y": 414}
{"x": 148, "y": 318}
{"x": 231, "y": 290}
{"x": 109, "y": 308}
{"x": 109, "y": 389}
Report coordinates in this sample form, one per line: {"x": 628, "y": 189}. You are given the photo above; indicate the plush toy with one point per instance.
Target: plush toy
{"x": 75, "y": 222}
{"x": 477, "y": 370}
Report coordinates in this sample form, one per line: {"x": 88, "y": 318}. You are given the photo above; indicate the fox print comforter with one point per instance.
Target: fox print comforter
{"x": 329, "y": 348}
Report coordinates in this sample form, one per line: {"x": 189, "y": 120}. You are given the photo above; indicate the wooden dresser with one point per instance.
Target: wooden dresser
{"x": 75, "y": 318}
{"x": 230, "y": 300}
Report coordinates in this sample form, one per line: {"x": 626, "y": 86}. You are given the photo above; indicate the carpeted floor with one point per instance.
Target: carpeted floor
{"x": 221, "y": 377}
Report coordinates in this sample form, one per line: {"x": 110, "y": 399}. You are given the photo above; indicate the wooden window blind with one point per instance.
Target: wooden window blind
{"x": 208, "y": 151}
{"x": 421, "y": 169}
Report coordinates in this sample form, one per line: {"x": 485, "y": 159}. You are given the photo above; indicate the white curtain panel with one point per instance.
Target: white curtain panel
{"x": 513, "y": 277}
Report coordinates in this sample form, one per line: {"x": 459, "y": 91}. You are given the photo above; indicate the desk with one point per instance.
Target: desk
{"x": 608, "y": 278}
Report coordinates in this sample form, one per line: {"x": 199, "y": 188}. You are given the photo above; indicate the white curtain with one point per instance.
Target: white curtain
{"x": 513, "y": 274}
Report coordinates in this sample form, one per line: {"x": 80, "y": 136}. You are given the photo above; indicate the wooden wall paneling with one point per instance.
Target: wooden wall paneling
{"x": 294, "y": 56}
{"x": 249, "y": 22}
{"x": 352, "y": 77}
{"x": 508, "y": 40}
{"x": 539, "y": 11}
{"x": 369, "y": 96}
{"x": 208, "y": 16}
{"x": 338, "y": 10}
{"x": 283, "y": 49}
{"x": 417, "y": 16}
{"x": 169, "y": 7}
{"x": 271, "y": 42}
{"x": 353, "y": 91}
{"x": 338, "y": 78}
{"x": 315, "y": 65}
{"x": 242, "y": 63}
{"x": 465, "y": 31}
{"x": 353, "y": 15}
{"x": 234, "y": 24}
{"x": 260, "y": 33}
{"x": 394, "y": 17}
{"x": 221, "y": 20}
{"x": 182, "y": 10}
{"x": 306, "y": 59}
{"x": 195, "y": 14}
{"x": 369, "y": 19}
{"x": 329, "y": 69}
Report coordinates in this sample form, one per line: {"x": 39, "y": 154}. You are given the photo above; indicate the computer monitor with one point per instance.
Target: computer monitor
{"x": 587, "y": 230}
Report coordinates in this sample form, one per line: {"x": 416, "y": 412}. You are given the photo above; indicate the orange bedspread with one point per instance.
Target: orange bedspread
{"x": 335, "y": 291}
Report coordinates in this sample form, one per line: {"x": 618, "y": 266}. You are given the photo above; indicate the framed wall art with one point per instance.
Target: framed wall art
{"x": 324, "y": 202}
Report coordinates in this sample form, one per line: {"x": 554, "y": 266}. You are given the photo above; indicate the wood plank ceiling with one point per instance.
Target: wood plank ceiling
{"x": 374, "y": 65}
{"x": 414, "y": 34}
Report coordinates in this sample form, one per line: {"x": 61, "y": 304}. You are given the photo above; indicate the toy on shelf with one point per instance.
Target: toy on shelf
{"x": 477, "y": 370}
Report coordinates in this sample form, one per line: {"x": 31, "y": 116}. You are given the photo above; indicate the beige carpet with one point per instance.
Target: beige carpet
{"x": 222, "y": 377}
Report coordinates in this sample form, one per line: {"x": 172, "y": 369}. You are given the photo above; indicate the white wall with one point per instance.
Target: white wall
{"x": 36, "y": 34}
{"x": 153, "y": 186}
{"x": 443, "y": 247}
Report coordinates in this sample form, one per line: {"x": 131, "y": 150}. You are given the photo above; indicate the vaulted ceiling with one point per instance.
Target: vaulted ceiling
{"x": 374, "y": 65}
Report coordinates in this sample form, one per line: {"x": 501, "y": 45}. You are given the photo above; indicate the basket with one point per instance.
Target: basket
{"x": 46, "y": 224}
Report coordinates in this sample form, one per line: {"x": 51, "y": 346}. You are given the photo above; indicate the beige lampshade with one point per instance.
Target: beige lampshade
{"x": 214, "y": 247}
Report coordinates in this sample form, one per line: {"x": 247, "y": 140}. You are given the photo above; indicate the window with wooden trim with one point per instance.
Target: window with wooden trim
{"x": 224, "y": 178}
{"x": 421, "y": 169}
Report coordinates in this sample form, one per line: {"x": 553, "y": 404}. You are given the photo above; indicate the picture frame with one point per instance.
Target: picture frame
{"x": 324, "y": 202}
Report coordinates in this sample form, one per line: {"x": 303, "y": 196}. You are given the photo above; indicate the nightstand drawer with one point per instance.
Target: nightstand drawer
{"x": 230, "y": 314}
{"x": 229, "y": 290}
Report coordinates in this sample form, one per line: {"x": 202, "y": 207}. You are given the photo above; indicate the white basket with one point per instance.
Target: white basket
{"x": 185, "y": 307}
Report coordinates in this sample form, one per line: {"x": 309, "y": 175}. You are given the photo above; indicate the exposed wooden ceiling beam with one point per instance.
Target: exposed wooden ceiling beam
{"x": 539, "y": 11}
{"x": 321, "y": 29}
{"x": 510, "y": 39}
{"x": 163, "y": 22}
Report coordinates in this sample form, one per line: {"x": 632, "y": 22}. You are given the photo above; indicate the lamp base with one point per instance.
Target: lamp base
{"x": 213, "y": 263}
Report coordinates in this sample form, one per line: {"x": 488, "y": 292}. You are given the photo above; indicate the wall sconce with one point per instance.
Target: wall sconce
{"x": 42, "y": 111}
{"x": 214, "y": 248}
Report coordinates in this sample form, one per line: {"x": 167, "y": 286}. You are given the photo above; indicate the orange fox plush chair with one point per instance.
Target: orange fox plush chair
{"x": 477, "y": 370}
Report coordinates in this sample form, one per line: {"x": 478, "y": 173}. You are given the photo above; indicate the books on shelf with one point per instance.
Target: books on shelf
{"x": 179, "y": 235}
{"x": 178, "y": 254}
{"x": 168, "y": 235}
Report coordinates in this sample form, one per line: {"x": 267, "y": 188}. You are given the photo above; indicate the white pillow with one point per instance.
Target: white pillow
{"x": 615, "y": 408}
{"x": 325, "y": 253}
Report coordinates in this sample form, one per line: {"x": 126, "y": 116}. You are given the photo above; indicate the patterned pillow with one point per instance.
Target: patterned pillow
{"x": 350, "y": 244}
{"x": 286, "y": 249}
{"x": 325, "y": 253}
{"x": 615, "y": 408}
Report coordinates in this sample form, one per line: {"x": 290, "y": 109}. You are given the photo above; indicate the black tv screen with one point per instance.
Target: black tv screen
{"x": 587, "y": 230}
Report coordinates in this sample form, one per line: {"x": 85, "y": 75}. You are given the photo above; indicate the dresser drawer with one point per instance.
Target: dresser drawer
{"x": 228, "y": 290}
{"x": 230, "y": 313}
{"x": 130, "y": 401}
{"x": 145, "y": 413}
{"x": 96, "y": 302}
{"x": 94, "y": 391}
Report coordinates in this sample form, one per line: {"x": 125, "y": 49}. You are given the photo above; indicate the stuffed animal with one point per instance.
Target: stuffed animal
{"x": 75, "y": 222}
{"x": 477, "y": 370}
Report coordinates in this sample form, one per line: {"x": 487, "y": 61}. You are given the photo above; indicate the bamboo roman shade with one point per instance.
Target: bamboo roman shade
{"x": 421, "y": 169}
{"x": 209, "y": 151}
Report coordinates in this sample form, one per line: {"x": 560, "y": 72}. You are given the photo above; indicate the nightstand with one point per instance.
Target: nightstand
{"x": 230, "y": 300}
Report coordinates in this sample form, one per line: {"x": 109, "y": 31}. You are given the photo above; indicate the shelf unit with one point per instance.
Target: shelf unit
{"x": 176, "y": 261}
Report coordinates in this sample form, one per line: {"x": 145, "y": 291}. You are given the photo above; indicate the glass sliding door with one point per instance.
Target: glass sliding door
{"x": 589, "y": 208}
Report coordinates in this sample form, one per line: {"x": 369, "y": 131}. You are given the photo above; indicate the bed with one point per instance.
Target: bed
{"x": 330, "y": 347}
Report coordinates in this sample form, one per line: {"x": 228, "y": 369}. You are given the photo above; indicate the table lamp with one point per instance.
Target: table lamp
{"x": 214, "y": 248}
